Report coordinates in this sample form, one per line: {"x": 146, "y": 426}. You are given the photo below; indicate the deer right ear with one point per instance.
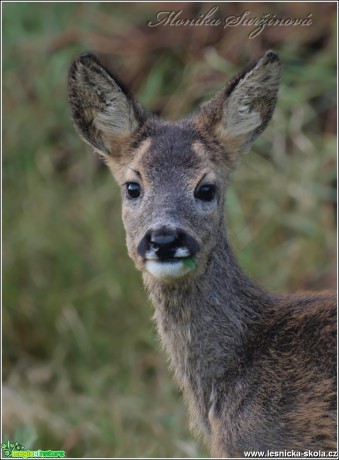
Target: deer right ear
{"x": 241, "y": 111}
{"x": 104, "y": 114}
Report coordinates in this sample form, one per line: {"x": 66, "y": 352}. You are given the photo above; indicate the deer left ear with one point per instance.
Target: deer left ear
{"x": 104, "y": 113}
{"x": 241, "y": 111}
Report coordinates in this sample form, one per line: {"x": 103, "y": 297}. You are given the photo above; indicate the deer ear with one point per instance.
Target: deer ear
{"x": 241, "y": 111}
{"x": 104, "y": 114}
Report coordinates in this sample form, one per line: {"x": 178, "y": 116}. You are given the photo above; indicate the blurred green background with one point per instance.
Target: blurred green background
{"x": 82, "y": 369}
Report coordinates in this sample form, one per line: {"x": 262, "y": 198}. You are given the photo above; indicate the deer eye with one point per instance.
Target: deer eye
{"x": 133, "y": 190}
{"x": 205, "y": 192}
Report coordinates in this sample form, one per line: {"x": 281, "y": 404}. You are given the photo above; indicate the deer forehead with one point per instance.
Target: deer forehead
{"x": 171, "y": 155}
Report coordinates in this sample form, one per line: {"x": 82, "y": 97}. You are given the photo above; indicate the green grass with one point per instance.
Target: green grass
{"x": 82, "y": 369}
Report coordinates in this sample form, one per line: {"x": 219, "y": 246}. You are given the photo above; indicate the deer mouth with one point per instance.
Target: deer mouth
{"x": 170, "y": 268}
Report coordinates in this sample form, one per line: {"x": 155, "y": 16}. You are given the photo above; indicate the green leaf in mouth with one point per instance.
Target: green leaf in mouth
{"x": 189, "y": 262}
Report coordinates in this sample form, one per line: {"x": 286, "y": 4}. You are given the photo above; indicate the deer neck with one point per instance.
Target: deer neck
{"x": 207, "y": 323}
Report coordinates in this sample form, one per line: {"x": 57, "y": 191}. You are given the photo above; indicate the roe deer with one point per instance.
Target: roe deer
{"x": 257, "y": 370}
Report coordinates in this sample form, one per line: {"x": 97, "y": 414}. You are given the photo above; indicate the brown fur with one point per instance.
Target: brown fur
{"x": 257, "y": 370}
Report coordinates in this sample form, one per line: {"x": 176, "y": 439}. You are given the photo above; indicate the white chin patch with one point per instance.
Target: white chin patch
{"x": 167, "y": 270}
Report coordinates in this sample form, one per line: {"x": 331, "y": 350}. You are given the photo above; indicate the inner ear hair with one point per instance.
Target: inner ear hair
{"x": 242, "y": 110}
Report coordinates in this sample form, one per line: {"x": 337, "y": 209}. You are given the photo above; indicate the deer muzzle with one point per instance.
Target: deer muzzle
{"x": 168, "y": 252}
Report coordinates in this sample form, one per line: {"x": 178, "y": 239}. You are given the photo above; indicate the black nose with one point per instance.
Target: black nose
{"x": 164, "y": 242}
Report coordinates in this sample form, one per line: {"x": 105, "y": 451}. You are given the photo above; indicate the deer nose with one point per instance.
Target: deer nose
{"x": 164, "y": 242}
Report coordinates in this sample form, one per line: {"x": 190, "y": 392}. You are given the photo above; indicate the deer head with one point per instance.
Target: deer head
{"x": 172, "y": 176}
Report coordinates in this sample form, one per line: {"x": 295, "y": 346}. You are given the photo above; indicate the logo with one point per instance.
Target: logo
{"x": 17, "y": 450}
